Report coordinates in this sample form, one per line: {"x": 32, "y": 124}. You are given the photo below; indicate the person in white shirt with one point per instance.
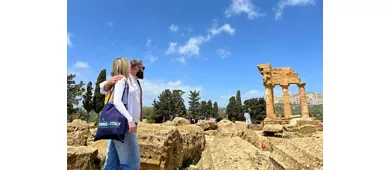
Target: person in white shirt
{"x": 125, "y": 155}
{"x": 248, "y": 118}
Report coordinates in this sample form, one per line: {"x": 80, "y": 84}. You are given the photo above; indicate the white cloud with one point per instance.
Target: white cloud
{"x": 243, "y": 6}
{"x": 171, "y": 49}
{"x": 151, "y": 58}
{"x": 80, "y": 64}
{"x": 174, "y": 28}
{"x": 225, "y": 28}
{"x": 223, "y": 53}
{"x": 192, "y": 46}
{"x": 148, "y": 43}
{"x": 152, "y": 88}
{"x": 110, "y": 24}
{"x": 181, "y": 60}
{"x": 69, "y": 41}
{"x": 285, "y": 3}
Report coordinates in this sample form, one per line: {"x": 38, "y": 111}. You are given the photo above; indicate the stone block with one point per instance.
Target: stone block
{"x": 81, "y": 157}
{"x": 161, "y": 147}
{"x": 77, "y": 133}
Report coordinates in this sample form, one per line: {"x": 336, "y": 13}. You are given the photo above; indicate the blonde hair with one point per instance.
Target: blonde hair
{"x": 120, "y": 66}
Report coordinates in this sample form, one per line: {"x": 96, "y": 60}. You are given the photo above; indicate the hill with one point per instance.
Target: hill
{"x": 312, "y": 99}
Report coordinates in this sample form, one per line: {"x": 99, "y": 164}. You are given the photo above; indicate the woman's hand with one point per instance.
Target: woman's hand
{"x": 115, "y": 79}
{"x": 132, "y": 127}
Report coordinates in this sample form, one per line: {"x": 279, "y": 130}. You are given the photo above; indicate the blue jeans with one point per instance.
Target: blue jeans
{"x": 123, "y": 156}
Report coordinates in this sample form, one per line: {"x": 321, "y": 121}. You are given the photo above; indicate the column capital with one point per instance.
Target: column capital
{"x": 269, "y": 85}
{"x": 301, "y": 84}
{"x": 284, "y": 86}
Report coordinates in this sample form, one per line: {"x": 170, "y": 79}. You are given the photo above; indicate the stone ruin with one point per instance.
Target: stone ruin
{"x": 293, "y": 143}
{"x": 283, "y": 77}
{"x": 207, "y": 145}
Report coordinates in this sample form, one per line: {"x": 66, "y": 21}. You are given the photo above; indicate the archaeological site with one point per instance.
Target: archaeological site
{"x": 291, "y": 142}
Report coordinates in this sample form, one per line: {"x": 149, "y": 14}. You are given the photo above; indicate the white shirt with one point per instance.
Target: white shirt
{"x": 248, "y": 118}
{"x": 133, "y": 111}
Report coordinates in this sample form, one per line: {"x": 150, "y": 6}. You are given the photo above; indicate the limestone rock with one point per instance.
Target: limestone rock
{"x": 290, "y": 128}
{"x": 77, "y": 133}
{"x": 297, "y": 153}
{"x": 206, "y": 161}
{"x": 81, "y": 157}
{"x": 319, "y": 127}
{"x": 167, "y": 123}
{"x": 232, "y": 130}
{"x": 101, "y": 145}
{"x": 224, "y": 123}
{"x": 275, "y": 128}
{"x": 179, "y": 121}
{"x": 211, "y": 132}
{"x": 93, "y": 131}
{"x": 233, "y": 153}
{"x": 241, "y": 124}
{"x": 161, "y": 146}
{"x": 306, "y": 129}
{"x": 302, "y": 122}
{"x": 256, "y": 127}
{"x": 207, "y": 124}
{"x": 193, "y": 141}
{"x": 91, "y": 124}
{"x": 229, "y": 129}
{"x": 80, "y": 122}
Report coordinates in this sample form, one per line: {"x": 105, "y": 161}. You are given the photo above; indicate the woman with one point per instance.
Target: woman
{"x": 122, "y": 155}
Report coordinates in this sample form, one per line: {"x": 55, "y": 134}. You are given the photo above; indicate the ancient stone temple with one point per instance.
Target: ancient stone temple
{"x": 283, "y": 77}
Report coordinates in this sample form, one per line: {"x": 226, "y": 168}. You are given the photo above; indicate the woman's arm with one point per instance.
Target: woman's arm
{"x": 101, "y": 85}
{"x": 119, "y": 88}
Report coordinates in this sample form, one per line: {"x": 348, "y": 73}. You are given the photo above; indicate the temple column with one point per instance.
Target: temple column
{"x": 286, "y": 101}
{"x": 269, "y": 100}
{"x": 273, "y": 100}
{"x": 304, "y": 106}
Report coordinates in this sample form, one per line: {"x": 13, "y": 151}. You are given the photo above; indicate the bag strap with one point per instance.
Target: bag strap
{"x": 126, "y": 90}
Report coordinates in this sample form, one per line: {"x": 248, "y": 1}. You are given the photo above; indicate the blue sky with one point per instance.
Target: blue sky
{"x": 212, "y": 46}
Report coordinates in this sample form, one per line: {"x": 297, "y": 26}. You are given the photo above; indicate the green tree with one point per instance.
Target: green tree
{"x": 209, "y": 108}
{"x": 169, "y": 103}
{"x": 203, "y": 108}
{"x": 149, "y": 113}
{"x": 98, "y": 98}
{"x": 239, "y": 105}
{"x": 163, "y": 107}
{"x": 231, "y": 109}
{"x": 87, "y": 100}
{"x": 215, "y": 109}
{"x": 194, "y": 103}
{"x": 257, "y": 106}
{"x": 178, "y": 107}
{"x": 74, "y": 92}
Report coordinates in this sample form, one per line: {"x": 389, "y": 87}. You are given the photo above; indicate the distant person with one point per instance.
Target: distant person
{"x": 248, "y": 118}
{"x": 171, "y": 117}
